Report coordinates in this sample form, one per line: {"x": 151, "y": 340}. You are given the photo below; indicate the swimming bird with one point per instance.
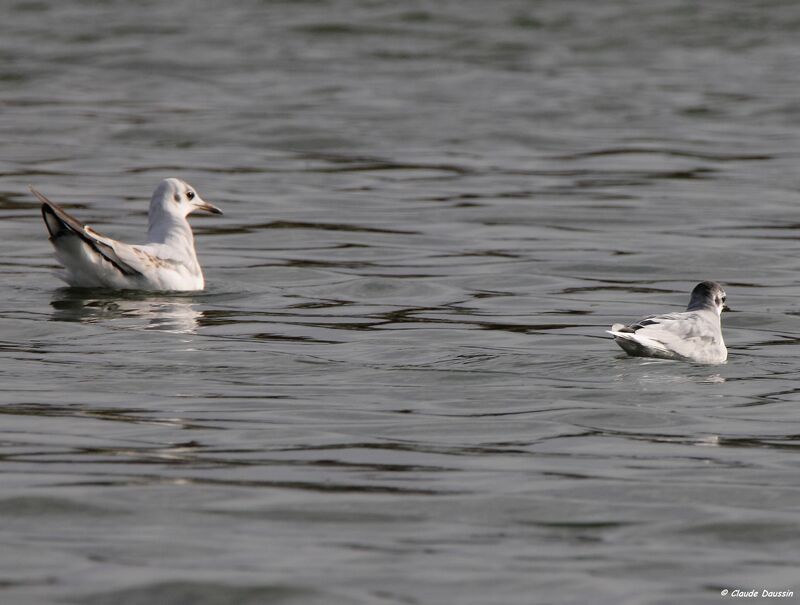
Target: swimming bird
{"x": 166, "y": 262}
{"x": 691, "y": 335}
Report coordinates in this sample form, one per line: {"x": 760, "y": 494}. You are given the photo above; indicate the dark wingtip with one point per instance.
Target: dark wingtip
{"x": 51, "y": 221}
{"x": 57, "y": 220}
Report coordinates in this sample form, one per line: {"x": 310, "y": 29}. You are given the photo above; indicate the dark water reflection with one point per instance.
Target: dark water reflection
{"x": 397, "y": 388}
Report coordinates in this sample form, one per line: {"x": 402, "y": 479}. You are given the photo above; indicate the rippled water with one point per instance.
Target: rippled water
{"x": 397, "y": 387}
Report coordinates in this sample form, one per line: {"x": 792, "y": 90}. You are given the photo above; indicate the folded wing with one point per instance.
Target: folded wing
{"x": 672, "y": 335}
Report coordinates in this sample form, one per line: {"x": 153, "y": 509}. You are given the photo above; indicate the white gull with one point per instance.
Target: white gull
{"x": 692, "y": 335}
{"x": 166, "y": 262}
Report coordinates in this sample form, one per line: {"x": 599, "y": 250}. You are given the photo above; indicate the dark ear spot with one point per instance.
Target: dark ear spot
{"x": 177, "y": 197}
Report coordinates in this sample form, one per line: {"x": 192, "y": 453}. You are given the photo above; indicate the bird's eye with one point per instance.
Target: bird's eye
{"x": 190, "y": 195}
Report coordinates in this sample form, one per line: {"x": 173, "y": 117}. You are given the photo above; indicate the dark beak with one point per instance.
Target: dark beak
{"x": 726, "y": 308}
{"x": 206, "y": 207}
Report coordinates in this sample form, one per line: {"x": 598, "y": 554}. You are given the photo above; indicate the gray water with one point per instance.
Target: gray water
{"x": 397, "y": 388}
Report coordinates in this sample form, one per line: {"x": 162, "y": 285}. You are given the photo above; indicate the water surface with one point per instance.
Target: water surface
{"x": 397, "y": 387}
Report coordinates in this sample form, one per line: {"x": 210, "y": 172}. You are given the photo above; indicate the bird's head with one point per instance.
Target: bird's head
{"x": 708, "y": 295}
{"x": 175, "y": 197}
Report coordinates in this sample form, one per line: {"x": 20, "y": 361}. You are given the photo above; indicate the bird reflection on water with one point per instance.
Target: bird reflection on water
{"x": 132, "y": 310}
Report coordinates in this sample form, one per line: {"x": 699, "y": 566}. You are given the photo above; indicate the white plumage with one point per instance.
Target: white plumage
{"x": 692, "y": 335}
{"x": 166, "y": 262}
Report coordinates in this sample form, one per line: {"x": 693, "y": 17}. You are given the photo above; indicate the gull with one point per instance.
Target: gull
{"x": 166, "y": 262}
{"x": 692, "y": 335}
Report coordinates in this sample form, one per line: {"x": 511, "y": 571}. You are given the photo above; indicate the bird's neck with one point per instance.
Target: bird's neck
{"x": 700, "y": 304}
{"x": 171, "y": 230}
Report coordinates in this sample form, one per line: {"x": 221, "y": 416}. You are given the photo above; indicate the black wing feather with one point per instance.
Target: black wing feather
{"x": 59, "y": 223}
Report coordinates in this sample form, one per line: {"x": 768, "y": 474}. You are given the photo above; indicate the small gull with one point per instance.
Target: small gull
{"x": 166, "y": 262}
{"x": 692, "y": 335}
